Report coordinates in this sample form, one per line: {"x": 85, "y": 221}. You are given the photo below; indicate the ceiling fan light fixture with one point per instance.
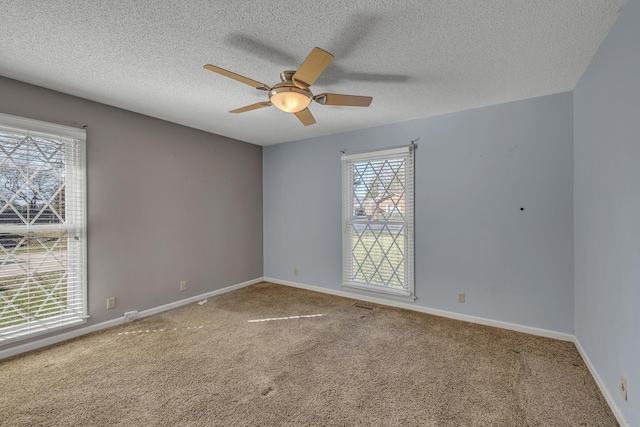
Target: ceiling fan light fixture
{"x": 290, "y": 99}
{"x": 293, "y": 95}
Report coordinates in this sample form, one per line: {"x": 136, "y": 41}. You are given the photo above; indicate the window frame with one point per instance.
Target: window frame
{"x": 348, "y": 208}
{"x": 75, "y": 225}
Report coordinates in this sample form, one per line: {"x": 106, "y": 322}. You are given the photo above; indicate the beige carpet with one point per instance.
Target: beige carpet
{"x": 208, "y": 365}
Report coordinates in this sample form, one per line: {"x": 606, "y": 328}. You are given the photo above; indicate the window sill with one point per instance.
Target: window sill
{"x": 380, "y": 292}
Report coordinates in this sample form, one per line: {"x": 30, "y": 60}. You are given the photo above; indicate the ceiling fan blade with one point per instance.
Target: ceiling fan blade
{"x": 348, "y": 100}
{"x": 251, "y": 107}
{"x": 312, "y": 67}
{"x": 238, "y": 77}
{"x": 305, "y": 117}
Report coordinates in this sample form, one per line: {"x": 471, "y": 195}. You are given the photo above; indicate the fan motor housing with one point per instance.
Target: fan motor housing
{"x": 287, "y": 76}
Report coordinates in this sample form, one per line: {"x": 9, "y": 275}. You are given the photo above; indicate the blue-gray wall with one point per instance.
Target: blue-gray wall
{"x": 474, "y": 171}
{"x": 607, "y": 210}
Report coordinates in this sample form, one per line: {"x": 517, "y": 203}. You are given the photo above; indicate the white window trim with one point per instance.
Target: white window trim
{"x": 68, "y": 134}
{"x": 347, "y": 208}
{"x": 39, "y": 128}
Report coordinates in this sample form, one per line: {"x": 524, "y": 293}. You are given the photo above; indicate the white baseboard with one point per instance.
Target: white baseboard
{"x": 13, "y": 351}
{"x": 189, "y": 300}
{"x": 603, "y": 388}
{"x": 436, "y": 312}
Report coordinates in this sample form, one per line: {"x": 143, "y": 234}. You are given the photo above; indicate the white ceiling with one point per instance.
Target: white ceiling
{"x": 417, "y": 58}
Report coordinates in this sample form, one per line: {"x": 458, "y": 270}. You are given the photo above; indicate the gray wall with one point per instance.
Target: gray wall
{"x": 607, "y": 209}
{"x": 474, "y": 171}
{"x": 166, "y": 203}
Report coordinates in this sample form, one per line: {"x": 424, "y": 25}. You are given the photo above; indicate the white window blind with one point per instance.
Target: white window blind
{"x": 378, "y": 197}
{"x": 42, "y": 227}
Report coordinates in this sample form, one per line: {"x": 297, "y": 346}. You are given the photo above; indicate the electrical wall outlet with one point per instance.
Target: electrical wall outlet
{"x": 130, "y": 316}
{"x": 295, "y": 271}
{"x": 461, "y": 297}
{"x": 183, "y": 286}
{"x": 623, "y": 387}
{"x": 111, "y": 303}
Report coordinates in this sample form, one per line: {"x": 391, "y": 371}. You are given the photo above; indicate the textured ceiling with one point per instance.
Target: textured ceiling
{"x": 417, "y": 58}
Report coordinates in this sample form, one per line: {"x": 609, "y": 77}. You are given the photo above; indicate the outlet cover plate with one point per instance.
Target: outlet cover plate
{"x": 461, "y": 298}
{"x": 130, "y": 316}
{"x": 111, "y": 303}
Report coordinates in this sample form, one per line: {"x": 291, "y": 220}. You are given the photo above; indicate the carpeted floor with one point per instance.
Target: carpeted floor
{"x": 210, "y": 365}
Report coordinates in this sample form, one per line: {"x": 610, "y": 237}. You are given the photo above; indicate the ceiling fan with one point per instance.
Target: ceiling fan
{"x": 292, "y": 94}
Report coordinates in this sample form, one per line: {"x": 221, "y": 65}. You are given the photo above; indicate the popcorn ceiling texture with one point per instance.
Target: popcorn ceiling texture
{"x": 416, "y": 58}
{"x": 208, "y": 365}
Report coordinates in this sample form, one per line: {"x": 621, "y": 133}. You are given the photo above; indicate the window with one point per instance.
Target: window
{"x": 378, "y": 221}
{"x": 42, "y": 227}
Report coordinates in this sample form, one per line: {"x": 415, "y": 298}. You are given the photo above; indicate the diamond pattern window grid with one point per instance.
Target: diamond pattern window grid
{"x": 34, "y": 277}
{"x": 377, "y": 184}
{"x": 32, "y": 173}
{"x": 378, "y": 257}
